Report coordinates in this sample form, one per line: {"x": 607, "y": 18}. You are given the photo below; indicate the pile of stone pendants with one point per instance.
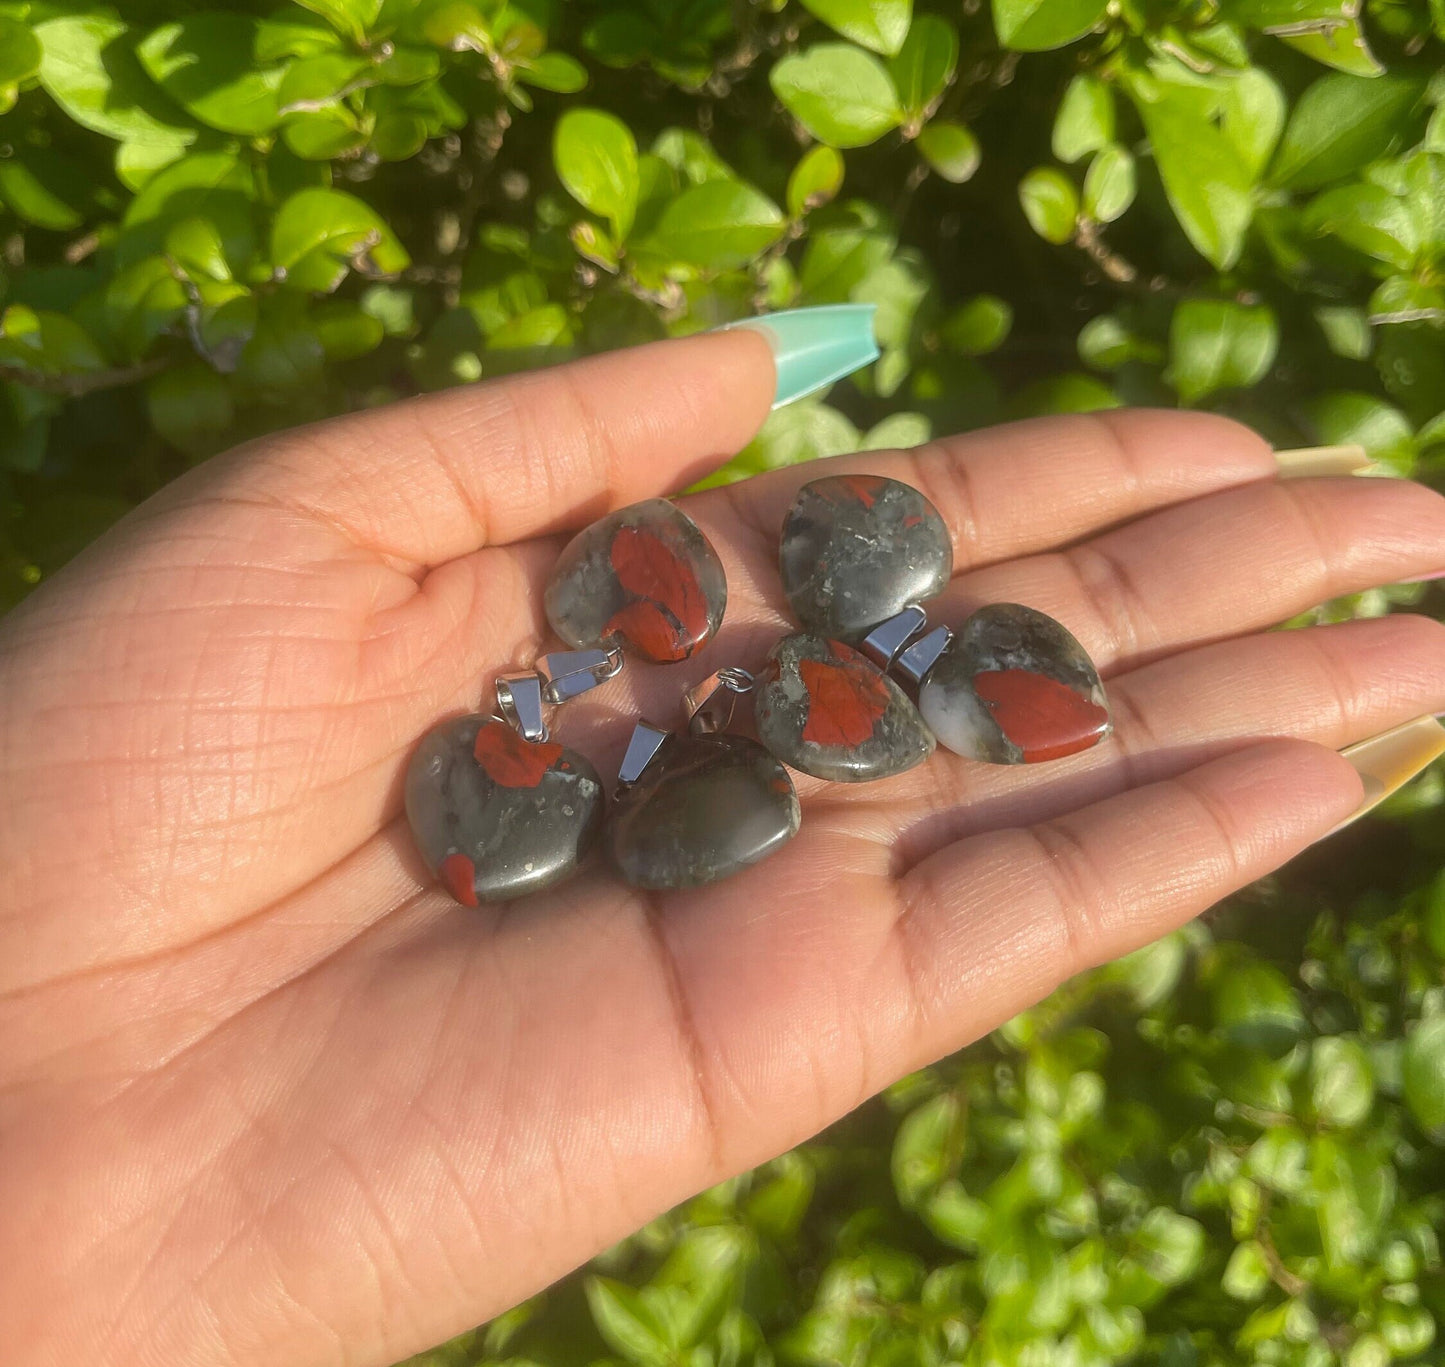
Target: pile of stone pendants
{"x": 499, "y": 809}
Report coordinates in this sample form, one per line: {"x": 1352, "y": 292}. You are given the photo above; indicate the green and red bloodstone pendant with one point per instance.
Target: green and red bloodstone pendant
{"x": 857, "y": 554}
{"x": 499, "y": 808}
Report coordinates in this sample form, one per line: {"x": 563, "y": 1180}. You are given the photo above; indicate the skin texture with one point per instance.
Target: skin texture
{"x": 268, "y": 1096}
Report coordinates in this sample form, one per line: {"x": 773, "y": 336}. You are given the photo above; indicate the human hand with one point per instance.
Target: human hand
{"x": 268, "y": 1096}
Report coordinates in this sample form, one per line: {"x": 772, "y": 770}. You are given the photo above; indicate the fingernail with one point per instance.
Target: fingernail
{"x": 813, "y": 347}
{"x": 1305, "y": 461}
{"x": 1424, "y": 578}
{"x": 1388, "y": 762}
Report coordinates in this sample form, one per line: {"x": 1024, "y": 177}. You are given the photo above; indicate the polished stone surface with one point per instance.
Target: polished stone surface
{"x": 495, "y": 816}
{"x": 855, "y": 549}
{"x": 1014, "y": 687}
{"x": 704, "y": 808}
{"x": 646, "y": 575}
{"x": 830, "y": 712}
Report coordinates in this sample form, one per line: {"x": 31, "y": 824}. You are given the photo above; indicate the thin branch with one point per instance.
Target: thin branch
{"x": 77, "y": 386}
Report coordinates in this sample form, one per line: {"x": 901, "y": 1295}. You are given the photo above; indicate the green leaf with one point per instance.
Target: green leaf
{"x": 48, "y": 343}
{"x": 1254, "y": 1004}
{"x": 320, "y": 235}
{"x": 1370, "y": 219}
{"x": 554, "y": 71}
{"x": 350, "y": 17}
{"x": 1343, "y": 418}
{"x": 924, "y": 66}
{"x": 90, "y": 70}
{"x": 815, "y": 180}
{"x": 799, "y": 432}
{"x": 1342, "y": 1082}
{"x": 840, "y": 256}
{"x": 545, "y": 326}
{"x": 1246, "y": 1277}
{"x": 1034, "y": 25}
{"x": 878, "y": 24}
{"x": 206, "y": 64}
{"x": 1252, "y": 111}
{"x": 978, "y": 326}
{"x": 840, "y": 95}
{"x": 897, "y": 432}
{"x": 1085, "y": 120}
{"x": 46, "y": 188}
{"x": 20, "y": 53}
{"x": 1050, "y": 203}
{"x": 314, "y": 83}
{"x": 1339, "y": 124}
{"x": 1169, "y": 1246}
{"x": 596, "y": 158}
{"x": 1208, "y": 182}
{"x": 1346, "y": 330}
{"x": 190, "y": 406}
{"x": 1341, "y": 45}
{"x": 1424, "y": 1074}
{"x": 626, "y": 1322}
{"x": 691, "y": 155}
{"x": 718, "y": 225}
{"x": 212, "y": 185}
{"x": 928, "y": 1144}
{"x": 951, "y": 150}
{"x": 1217, "y": 344}
{"x": 1327, "y": 30}
{"x": 1109, "y": 184}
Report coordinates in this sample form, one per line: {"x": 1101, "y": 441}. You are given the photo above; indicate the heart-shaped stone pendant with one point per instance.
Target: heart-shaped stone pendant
{"x": 830, "y": 712}
{"x": 704, "y": 807}
{"x": 857, "y": 549}
{"x": 1014, "y": 687}
{"x": 644, "y": 575}
{"x": 496, "y": 816}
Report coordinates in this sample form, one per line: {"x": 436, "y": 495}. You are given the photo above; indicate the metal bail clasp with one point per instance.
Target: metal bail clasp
{"x": 646, "y": 740}
{"x": 882, "y": 644}
{"x": 566, "y": 674}
{"x": 523, "y": 695}
{"x": 709, "y": 705}
{"x": 923, "y": 654}
{"x": 519, "y": 700}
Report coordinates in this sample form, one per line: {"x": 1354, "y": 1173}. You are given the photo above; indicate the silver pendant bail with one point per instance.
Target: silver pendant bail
{"x": 709, "y": 705}
{"x": 923, "y": 654}
{"x": 519, "y": 700}
{"x": 882, "y": 644}
{"x": 567, "y": 674}
{"x": 646, "y": 740}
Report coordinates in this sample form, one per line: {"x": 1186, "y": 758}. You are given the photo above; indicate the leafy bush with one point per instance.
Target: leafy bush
{"x": 224, "y": 221}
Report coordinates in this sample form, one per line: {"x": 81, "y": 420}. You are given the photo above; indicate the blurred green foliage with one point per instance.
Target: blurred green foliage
{"x": 1227, "y": 1149}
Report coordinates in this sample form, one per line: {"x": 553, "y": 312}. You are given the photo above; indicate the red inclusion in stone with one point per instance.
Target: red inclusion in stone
{"x": 458, "y": 874}
{"x": 862, "y": 489}
{"x": 667, "y": 619}
{"x": 1046, "y": 719}
{"x": 846, "y": 697}
{"x": 512, "y": 761}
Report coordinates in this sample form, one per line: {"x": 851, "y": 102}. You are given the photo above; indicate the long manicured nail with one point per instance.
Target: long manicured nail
{"x": 1387, "y": 762}
{"x": 1305, "y": 461}
{"x": 813, "y": 347}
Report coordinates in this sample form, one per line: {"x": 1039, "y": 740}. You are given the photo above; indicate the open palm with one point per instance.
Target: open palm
{"x": 267, "y": 1096}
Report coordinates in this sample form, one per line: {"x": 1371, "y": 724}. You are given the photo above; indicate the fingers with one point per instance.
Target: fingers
{"x": 1329, "y": 685}
{"x": 424, "y": 481}
{"x": 1029, "y": 486}
{"x": 996, "y": 922}
{"x": 828, "y": 979}
{"x": 1237, "y": 561}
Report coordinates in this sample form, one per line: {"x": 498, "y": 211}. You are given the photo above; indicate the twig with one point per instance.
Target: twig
{"x": 79, "y": 385}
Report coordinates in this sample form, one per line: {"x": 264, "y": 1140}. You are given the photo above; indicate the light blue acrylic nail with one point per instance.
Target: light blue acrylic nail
{"x": 813, "y": 347}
